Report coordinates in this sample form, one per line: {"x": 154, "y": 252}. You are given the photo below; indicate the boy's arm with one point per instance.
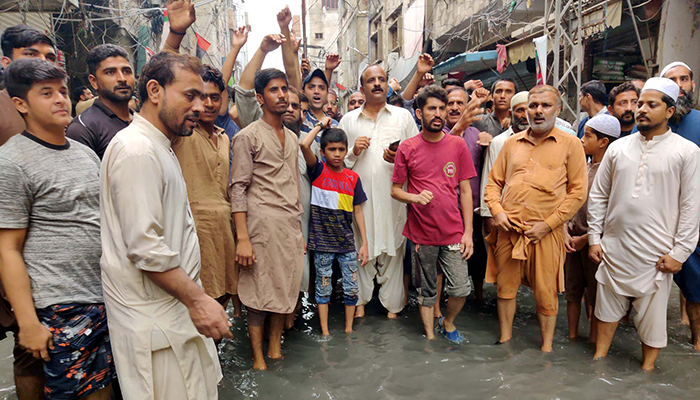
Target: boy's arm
{"x": 13, "y": 272}
{"x": 363, "y": 255}
{"x": 465, "y": 199}
{"x": 308, "y": 140}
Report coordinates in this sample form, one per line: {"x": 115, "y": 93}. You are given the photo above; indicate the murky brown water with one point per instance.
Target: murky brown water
{"x": 386, "y": 359}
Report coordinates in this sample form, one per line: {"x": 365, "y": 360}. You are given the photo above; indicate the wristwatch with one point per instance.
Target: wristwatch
{"x": 320, "y": 124}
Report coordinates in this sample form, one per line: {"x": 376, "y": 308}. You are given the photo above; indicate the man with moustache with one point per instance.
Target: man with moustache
{"x": 204, "y": 160}
{"x": 622, "y": 102}
{"x": 643, "y": 221}
{"x": 332, "y": 108}
{"x": 266, "y": 207}
{"x": 356, "y": 100}
{"x": 686, "y": 122}
{"x": 371, "y": 130}
{"x": 538, "y": 182}
{"x": 161, "y": 321}
{"x": 112, "y": 75}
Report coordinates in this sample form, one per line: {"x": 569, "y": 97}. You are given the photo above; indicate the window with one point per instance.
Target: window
{"x": 330, "y": 4}
{"x": 319, "y": 36}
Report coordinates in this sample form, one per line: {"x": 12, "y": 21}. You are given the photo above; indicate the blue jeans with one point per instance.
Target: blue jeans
{"x": 324, "y": 269}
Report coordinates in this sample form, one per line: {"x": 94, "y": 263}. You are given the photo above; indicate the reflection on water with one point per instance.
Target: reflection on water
{"x": 386, "y": 359}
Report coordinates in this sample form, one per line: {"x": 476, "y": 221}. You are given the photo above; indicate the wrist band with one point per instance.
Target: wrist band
{"x": 178, "y": 33}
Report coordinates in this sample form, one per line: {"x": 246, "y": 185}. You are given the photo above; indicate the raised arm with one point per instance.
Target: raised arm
{"x": 332, "y": 62}
{"x": 290, "y": 49}
{"x": 240, "y": 37}
{"x": 424, "y": 66}
{"x": 308, "y": 140}
{"x": 269, "y": 43}
{"x": 181, "y": 16}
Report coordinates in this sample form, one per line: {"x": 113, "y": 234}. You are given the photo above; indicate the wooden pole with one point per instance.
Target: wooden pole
{"x": 303, "y": 27}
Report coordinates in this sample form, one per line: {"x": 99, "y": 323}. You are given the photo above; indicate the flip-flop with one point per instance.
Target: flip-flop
{"x": 440, "y": 325}
{"x": 454, "y": 336}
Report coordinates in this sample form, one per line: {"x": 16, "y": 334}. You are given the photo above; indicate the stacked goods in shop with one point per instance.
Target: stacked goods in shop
{"x": 637, "y": 72}
{"x": 608, "y": 70}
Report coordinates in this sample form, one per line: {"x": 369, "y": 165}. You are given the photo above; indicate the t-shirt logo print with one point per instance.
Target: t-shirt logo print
{"x": 450, "y": 169}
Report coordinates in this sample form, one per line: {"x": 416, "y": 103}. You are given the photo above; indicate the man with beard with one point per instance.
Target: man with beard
{"x": 538, "y": 183}
{"x": 266, "y": 207}
{"x": 160, "y": 319}
{"x": 112, "y": 75}
{"x": 643, "y": 221}
{"x": 204, "y": 160}
{"x": 356, "y": 100}
{"x": 686, "y": 122}
{"x": 371, "y": 130}
{"x": 437, "y": 168}
{"x": 622, "y": 102}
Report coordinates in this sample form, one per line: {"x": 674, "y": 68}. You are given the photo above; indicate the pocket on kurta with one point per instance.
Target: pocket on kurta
{"x": 546, "y": 177}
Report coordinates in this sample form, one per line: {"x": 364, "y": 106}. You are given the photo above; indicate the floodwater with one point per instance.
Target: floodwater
{"x": 391, "y": 359}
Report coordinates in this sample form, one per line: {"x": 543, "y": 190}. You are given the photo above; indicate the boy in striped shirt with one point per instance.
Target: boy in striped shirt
{"x": 336, "y": 194}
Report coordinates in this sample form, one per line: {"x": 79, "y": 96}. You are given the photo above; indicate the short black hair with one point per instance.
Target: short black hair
{"x": 622, "y": 88}
{"x": 264, "y": 76}
{"x": 597, "y": 91}
{"x": 505, "y": 79}
{"x": 430, "y": 91}
{"x": 103, "y": 52}
{"x": 19, "y": 36}
{"x": 213, "y": 75}
{"x": 303, "y": 98}
{"x": 79, "y": 91}
{"x": 22, "y": 74}
{"x": 333, "y": 135}
{"x": 395, "y": 100}
{"x": 451, "y": 82}
{"x": 231, "y": 94}
{"x": 668, "y": 100}
{"x": 161, "y": 68}
{"x": 601, "y": 135}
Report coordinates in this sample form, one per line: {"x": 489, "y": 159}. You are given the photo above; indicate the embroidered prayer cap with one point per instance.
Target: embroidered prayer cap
{"x": 663, "y": 85}
{"x": 674, "y": 65}
{"x": 605, "y": 124}
{"x": 519, "y": 98}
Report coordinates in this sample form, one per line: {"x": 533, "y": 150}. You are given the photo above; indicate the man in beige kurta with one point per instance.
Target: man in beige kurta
{"x": 204, "y": 160}
{"x": 266, "y": 203}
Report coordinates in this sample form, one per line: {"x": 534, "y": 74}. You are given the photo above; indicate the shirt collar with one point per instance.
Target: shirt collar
{"x": 552, "y": 134}
{"x": 385, "y": 108}
{"x": 99, "y": 104}
{"x": 149, "y": 130}
{"x": 656, "y": 138}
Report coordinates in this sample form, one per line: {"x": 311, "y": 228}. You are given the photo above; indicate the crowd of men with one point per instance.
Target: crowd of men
{"x": 125, "y": 234}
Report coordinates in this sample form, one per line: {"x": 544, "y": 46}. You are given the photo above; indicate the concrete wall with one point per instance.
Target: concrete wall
{"x": 679, "y": 35}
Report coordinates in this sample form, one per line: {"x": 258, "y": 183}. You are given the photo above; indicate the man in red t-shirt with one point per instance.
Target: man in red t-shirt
{"x": 438, "y": 168}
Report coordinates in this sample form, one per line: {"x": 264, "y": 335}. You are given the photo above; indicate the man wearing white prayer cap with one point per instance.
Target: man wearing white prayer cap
{"x": 686, "y": 122}
{"x": 643, "y": 220}
{"x": 579, "y": 269}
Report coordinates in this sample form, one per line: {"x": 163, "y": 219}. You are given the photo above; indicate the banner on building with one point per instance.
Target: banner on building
{"x": 541, "y": 57}
{"x": 149, "y": 53}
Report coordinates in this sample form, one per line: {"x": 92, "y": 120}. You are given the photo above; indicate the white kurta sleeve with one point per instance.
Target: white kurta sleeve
{"x": 598, "y": 199}
{"x": 686, "y": 238}
{"x": 489, "y": 160}
{"x": 136, "y": 188}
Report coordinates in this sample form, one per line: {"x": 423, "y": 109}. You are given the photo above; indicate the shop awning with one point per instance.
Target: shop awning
{"x": 468, "y": 62}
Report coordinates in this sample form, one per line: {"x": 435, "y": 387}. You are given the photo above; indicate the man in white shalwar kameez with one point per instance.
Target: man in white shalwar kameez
{"x": 643, "y": 219}
{"x": 160, "y": 320}
{"x": 371, "y": 129}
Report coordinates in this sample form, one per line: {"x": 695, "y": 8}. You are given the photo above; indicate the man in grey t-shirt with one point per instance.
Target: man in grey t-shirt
{"x": 50, "y": 244}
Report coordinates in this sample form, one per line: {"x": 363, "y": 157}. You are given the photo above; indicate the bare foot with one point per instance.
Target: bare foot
{"x": 429, "y": 335}
{"x": 275, "y": 355}
{"x": 546, "y": 348}
{"x": 573, "y": 338}
{"x": 289, "y": 321}
{"x": 685, "y": 320}
{"x": 348, "y": 330}
{"x": 391, "y": 315}
{"x": 259, "y": 365}
{"x": 437, "y": 314}
{"x": 648, "y": 368}
{"x": 360, "y": 312}
{"x": 597, "y": 356}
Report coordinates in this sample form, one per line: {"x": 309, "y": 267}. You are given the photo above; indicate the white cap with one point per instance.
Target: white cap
{"x": 674, "y": 65}
{"x": 605, "y": 124}
{"x": 663, "y": 85}
{"x": 519, "y": 98}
